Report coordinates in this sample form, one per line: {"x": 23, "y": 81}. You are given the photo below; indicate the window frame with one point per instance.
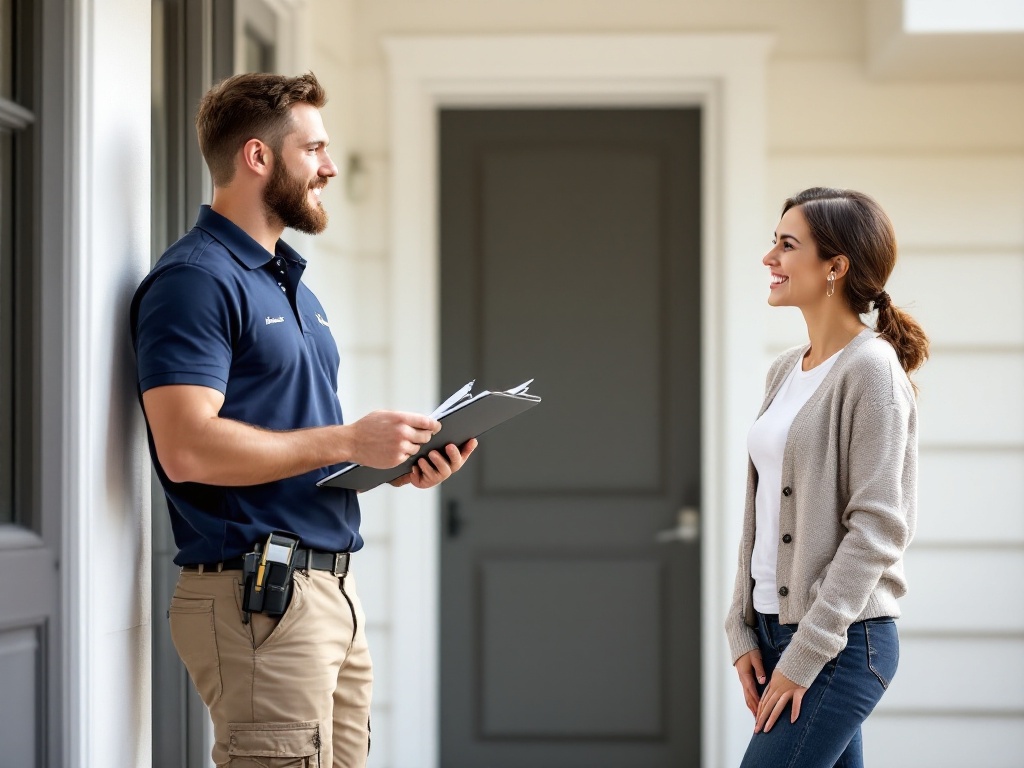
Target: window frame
{"x": 19, "y": 271}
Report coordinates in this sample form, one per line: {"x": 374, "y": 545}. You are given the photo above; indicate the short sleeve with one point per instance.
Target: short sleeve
{"x": 184, "y": 330}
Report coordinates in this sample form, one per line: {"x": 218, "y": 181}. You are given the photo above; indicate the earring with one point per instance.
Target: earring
{"x": 831, "y": 284}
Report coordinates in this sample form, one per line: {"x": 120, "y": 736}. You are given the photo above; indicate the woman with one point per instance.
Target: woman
{"x": 831, "y": 491}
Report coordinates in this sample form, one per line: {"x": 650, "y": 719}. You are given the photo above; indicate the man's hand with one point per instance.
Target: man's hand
{"x": 196, "y": 445}
{"x": 384, "y": 439}
{"x": 778, "y": 693}
{"x": 751, "y": 671}
{"x": 427, "y": 474}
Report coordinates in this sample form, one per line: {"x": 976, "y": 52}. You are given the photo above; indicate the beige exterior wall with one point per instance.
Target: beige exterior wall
{"x": 945, "y": 159}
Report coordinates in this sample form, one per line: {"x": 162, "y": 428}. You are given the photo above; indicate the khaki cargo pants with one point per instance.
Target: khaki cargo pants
{"x": 292, "y": 692}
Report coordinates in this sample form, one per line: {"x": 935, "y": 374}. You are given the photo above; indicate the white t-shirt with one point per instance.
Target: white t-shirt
{"x": 766, "y": 444}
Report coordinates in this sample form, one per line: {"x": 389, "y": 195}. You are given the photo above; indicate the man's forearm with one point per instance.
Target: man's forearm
{"x": 230, "y": 453}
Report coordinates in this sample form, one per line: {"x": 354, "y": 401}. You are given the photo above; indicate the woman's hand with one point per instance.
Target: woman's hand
{"x": 778, "y": 693}
{"x": 751, "y": 671}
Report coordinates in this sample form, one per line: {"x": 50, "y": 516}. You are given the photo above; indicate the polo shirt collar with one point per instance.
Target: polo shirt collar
{"x": 246, "y": 251}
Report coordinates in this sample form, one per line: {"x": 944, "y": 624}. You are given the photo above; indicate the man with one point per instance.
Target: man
{"x": 237, "y": 373}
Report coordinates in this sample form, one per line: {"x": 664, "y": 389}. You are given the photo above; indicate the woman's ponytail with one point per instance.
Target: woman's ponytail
{"x": 903, "y": 332}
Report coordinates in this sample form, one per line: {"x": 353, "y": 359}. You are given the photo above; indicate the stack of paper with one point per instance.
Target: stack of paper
{"x": 463, "y": 416}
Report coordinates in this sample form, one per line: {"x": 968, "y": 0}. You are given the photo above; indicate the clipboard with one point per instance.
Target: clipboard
{"x": 460, "y": 422}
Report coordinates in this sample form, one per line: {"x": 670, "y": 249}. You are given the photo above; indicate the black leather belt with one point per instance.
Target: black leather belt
{"x": 303, "y": 559}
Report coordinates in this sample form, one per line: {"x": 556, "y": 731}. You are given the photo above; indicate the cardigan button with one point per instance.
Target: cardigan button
{"x": 786, "y": 539}
{"x": 783, "y": 591}
{"x": 787, "y": 491}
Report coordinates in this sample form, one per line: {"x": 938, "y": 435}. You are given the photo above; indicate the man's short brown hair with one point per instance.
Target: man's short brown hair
{"x": 250, "y": 106}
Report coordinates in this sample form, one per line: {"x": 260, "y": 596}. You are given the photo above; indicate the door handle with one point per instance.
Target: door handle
{"x": 687, "y": 528}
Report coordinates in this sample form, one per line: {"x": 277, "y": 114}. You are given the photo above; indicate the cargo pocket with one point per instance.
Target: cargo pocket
{"x": 194, "y": 634}
{"x": 274, "y": 745}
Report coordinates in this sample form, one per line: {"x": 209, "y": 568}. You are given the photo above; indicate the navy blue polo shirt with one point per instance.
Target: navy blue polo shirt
{"x": 219, "y": 311}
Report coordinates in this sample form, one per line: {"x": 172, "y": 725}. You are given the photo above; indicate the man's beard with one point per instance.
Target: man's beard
{"x": 286, "y": 198}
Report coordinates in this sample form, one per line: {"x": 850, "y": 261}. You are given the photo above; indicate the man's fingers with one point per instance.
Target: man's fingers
{"x": 405, "y": 479}
{"x": 418, "y": 436}
{"x": 420, "y": 421}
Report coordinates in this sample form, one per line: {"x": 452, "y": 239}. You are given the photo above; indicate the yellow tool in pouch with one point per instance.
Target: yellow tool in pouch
{"x": 268, "y": 575}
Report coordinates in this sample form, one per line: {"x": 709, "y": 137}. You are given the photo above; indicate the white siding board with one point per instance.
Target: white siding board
{"x": 946, "y": 200}
{"x": 370, "y": 84}
{"x": 370, "y": 566}
{"x": 987, "y": 675}
{"x": 972, "y": 399}
{"x": 943, "y": 742}
{"x": 363, "y": 383}
{"x": 379, "y": 638}
{"x": 969, "y": 497}
{"x": 865, "y": 114}
{"x": 375, "y": 506}
{"x": 354, "y": 295}
{"x": 967, "y": 298}
{"x": 371, "y": 230}
{"x": 968, "y": 591}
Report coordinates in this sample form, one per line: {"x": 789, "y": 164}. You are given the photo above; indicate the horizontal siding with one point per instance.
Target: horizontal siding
{"x": 965, "y": 591}
{"x": 900, "y": 741}
{"x": 972, "y": 400}
{"x": 967, "y": 298}
{"x": 970, "y": 497}
{"x": 364, "y": 383}
{"x": 865, "y": 114}
{"x": 942, "y": 201}
{"x": 375, "y": 507}
{"x": 371, "y": 567}
{"x": 987, "y": 674}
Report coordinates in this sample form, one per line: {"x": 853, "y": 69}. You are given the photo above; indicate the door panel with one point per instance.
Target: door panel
{"x": 570, "y": 250}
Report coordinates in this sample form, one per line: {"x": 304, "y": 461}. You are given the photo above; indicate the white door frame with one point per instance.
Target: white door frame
{"x": 725, "y": 76}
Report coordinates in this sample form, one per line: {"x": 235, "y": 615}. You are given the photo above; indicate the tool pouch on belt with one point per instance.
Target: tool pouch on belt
{"x": 268, "y": 575}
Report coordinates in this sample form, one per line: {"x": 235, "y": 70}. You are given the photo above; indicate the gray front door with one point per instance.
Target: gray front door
{"x": 570, "y": 633}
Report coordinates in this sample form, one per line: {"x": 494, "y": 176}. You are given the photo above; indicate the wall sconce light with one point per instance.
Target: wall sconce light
{"x": 357, "y": 179}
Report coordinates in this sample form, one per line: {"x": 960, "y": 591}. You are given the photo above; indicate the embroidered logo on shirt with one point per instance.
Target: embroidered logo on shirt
{"x": 322, "y": 321}
{"x": 272, "y": 320}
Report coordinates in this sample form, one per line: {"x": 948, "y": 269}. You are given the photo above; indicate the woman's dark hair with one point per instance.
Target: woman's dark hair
{"x": 851, "y": 223}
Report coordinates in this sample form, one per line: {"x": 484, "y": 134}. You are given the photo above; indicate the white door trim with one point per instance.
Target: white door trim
{"x": 725, "y": 76}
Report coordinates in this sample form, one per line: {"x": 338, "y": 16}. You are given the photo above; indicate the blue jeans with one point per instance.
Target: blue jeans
{"x": 827, "y": 733}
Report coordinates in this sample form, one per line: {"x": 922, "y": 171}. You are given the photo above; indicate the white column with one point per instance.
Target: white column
{"x": 106, "y": 564}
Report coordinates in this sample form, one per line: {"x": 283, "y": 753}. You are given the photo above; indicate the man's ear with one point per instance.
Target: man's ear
{"x": 257, "y": 157}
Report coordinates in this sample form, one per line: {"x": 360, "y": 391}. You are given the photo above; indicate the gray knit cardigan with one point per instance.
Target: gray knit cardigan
{"x": 848, "y": 502}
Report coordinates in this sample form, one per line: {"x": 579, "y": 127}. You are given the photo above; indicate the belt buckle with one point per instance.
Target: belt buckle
{"x": 338, "y": 556}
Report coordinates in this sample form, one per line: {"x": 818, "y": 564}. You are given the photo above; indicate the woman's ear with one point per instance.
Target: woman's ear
{"x": 840, "y": 265}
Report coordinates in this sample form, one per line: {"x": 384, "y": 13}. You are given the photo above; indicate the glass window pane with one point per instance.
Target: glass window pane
{"x": 6, "y": 327}
{"x": 7, "y": 52}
